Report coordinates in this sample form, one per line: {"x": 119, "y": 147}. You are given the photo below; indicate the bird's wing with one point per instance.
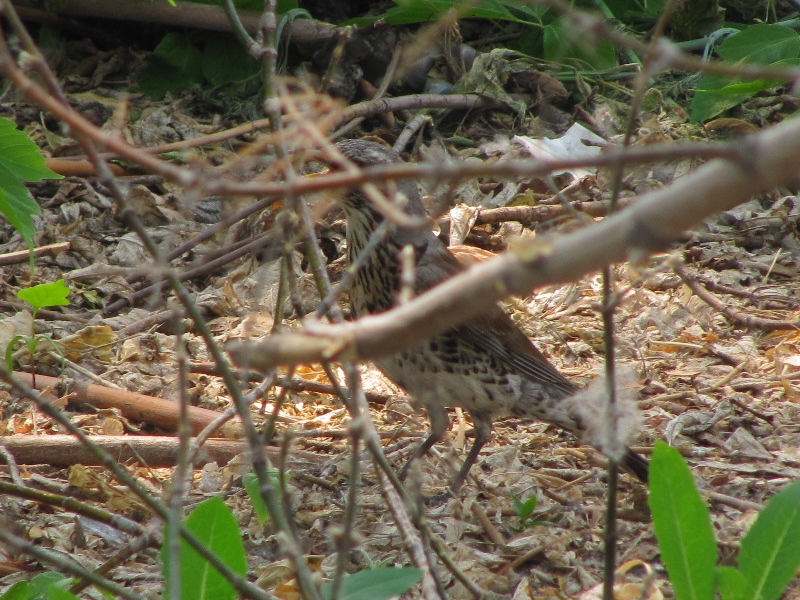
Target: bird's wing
{"x": 435, "y": 263}
{"x": 496, "y": 333}
{"x": 492, "y": 332}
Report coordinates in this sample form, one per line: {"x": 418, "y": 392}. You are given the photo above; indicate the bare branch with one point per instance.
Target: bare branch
{"x": 765, "y": 160}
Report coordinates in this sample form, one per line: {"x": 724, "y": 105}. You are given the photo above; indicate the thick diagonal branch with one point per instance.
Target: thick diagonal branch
{"x": 765, "y": 160}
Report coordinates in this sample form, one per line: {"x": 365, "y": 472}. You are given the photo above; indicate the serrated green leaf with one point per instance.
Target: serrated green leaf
{"x": 214, "y": 524}
{"x": 20, "y": 156}
{"x": 682, "y": 525}
{"x": 770, "y": 554}
{"x": 20, "y": 161}
{"x": 46, "y": 294}
{"x": 376, "y": 584}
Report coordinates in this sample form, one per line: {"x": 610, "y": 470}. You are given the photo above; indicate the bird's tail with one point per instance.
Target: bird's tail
{"x": 637, "y": 465}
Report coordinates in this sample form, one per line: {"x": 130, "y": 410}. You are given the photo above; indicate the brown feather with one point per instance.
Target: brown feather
{"x": 488, "y": 366}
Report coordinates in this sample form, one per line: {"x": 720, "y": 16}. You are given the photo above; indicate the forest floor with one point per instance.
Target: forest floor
{"x": 721, "y": 382}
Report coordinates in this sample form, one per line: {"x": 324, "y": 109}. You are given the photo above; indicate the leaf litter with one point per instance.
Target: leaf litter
{"x": 725, "y": 394}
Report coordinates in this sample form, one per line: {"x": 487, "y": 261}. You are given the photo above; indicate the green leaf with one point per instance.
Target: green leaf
{"x": 422, "y": 11}
{"x": 641, "y": 14}
{"x": 176, "y": 65}
{"x": 600, "y": 55}
{"x": 555, "y": 42}
{"x": 48, "y": 584}
{"x": 224, "y": 60}
{"x": 9, "y": 354}
{"x": 20, "y": 156}
{"x": 46, "y": 294}
{"x": 214, "y": 524}
{"x": 251, "y": 5}
{"x": 560, "y": 47}
{"x": 770, "y": 553}
{"x": 45, "y": 585}
{"x": 285, "y": 6}
{"x": 19, "y": 591}
{"x": 526, "y": 12}
{"x": 710, "y": 98}
{"x": 20, "y": 161}
{"x": 37, "y": 588}
{"x": 716, "y": 94}
{"x": 525, "y": 509}
{"x": 56, "y": 593}
{"x": 765, "y": 44}
{"x": 177, "y": 50}
{"x": 732, "y": 584}
{"x": 375, "y": 584}
{"x": 682, "y": 526}
{"x": 773, "y": 45}
{"x": 18, "y": 206}
{"x": 252, "y": 486}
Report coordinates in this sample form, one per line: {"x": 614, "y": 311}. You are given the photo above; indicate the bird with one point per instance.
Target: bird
{"x": 487, "y": 365}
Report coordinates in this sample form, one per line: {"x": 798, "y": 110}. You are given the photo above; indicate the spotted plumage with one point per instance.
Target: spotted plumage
{"x": 487, "y": 366}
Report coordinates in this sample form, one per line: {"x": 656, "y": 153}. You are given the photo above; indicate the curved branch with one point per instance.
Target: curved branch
{"x": 765, "y": 160}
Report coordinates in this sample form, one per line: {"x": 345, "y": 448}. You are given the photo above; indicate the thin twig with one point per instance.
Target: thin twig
{"x": 21, "y": 256}
{"x": 736, "y": 316}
